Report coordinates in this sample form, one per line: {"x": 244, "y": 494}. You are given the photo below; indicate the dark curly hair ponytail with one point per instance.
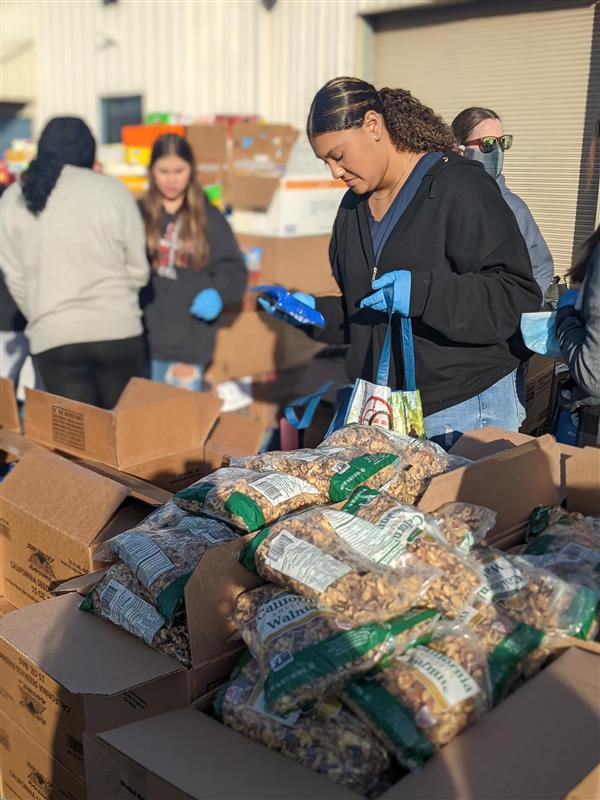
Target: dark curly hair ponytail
{"x": 64, "y": 140}
{"x": 343, "y": 102}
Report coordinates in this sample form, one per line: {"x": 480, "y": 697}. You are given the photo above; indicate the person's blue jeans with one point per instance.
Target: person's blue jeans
{"x": 499, "y": 406}
{"x": 185, "y": 376}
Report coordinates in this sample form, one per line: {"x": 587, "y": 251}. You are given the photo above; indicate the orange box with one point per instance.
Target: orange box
{"x": 146, "y": 135}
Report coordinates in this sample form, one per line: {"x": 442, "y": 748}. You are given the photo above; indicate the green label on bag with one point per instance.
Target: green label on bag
{"x": 539, "y": 520}
{"x": 393, "y": 719}
{"x": 196, "y": 493}
{"x": 356, "y": 472}
{"x": 292, "y": 670}
{"x": 507, "y": 656}
{"x": 582, "y": 612}
{"x": 244, "y": 507}
{"x": 359, "y": 498}
{"x": 247, "y": 556}
{"x": 540, "y": 545}
{"x": 170, "y": 601}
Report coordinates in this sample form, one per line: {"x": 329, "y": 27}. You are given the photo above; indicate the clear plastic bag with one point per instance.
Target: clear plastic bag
{"x": 246, "y": 499}
{"x": 121, "y": 599}
{"x": 340, "y": 562}
{"x": 425, "y": 697}
{"x": 566, "y": 544}
{"x": 334, "y": 471}
{"x": 304, "y": 654}
{"x": 465, "y": 525}
{"x": 420, "y": 536}
{"x": 329, "y": 739}
{"x": 535, "y": 596}
{"x": 164, "y": 558}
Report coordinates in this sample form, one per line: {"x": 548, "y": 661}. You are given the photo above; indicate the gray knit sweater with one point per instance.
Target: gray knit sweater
{"x": 75, "y": 270}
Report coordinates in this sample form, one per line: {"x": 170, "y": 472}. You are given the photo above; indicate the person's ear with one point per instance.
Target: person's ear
{"x": 373, "y": 124}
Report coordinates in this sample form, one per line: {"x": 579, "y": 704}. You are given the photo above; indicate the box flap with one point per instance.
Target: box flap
{"x": 138, "y": 488}
{"x": 209, "y": 598}
{"x": 252, "y": 191}
{"x": 484, "y": 442}
{"x": 208, "y": 143}
{"x": 81, "y": 651}
{"x": 533, "y": 469}
{"x": 588, "y": 787}
{"x": 9, "y": 411}
{"x": 15, "y": 444}
{"x": 236, "y": 435}
{"x": 583, "y": 481}
{"x": 256, "y": 144}
{"x": 82, "y": 584}
{"x": 209, "y": 761}
{"x": 62, "y": 494}
{"x": 538, "y": 743}
{"x": 78, "y": 428}
{"x": 155, "y": 420}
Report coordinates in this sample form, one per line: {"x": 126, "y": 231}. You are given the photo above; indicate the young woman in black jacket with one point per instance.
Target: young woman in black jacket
{"x": 455, "y": 257}
{"x": 197, "y": 267}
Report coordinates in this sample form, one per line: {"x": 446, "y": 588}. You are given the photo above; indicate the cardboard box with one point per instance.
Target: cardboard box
{"x": 54, "y": 514}
{"x": 278, "y": 187}
{"x": 299, "y": 264}
{"x": 251, "y": 343}
{"x": 65, "y": 671}
{"x": 539, "y": 742}
{"x": 538, "y": 392}
{"x": 211, "y": 151}
{"x": 151, "y": 425}
{"x": 29, "y": 772}
{"x": 9, "y": 410}
{"x": 5, "y": 607}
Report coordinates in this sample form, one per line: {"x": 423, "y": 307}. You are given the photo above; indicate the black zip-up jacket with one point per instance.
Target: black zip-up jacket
{"x": 173, "y": 333}
{"x": 471, "y": 281}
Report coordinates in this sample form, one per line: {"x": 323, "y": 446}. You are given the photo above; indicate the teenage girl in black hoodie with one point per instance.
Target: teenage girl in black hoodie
{"x": 197, "y": 267}
{"x": 455, "y": 257}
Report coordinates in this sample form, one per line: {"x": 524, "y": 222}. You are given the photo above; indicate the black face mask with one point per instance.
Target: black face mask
{"x": 492, "y": 162}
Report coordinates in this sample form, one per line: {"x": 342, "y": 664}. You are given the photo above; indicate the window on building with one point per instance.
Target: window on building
{"x": 117, "y": 112}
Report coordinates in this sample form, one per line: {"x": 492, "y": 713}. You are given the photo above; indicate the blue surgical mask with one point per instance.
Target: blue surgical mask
{"x": 492, "y": 162}
{"x": 538, "y": 330}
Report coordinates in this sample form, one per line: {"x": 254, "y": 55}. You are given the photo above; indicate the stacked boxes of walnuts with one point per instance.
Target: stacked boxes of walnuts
{"x": 380, "y": 632}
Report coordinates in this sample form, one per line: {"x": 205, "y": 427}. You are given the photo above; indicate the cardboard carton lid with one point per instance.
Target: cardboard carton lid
{"x": 82, "y": 652}
{"x": 154, "y": 420}
{"x": 15, "y": 443}
{"x": 138, "y": 488}
{"x": 207, "y": 760}
{"x": 9, "y": 411}
{"x": 236, "y": 435}
{"x": 539, "y": 743}
{"x": 484, "y": 442}
{"x": 582, "y": 472}
{"x": 69, "y": 425}
{"x": 63, "y": 495}
{"x": 210, "y": 595}
{"x": 511, "y": 483}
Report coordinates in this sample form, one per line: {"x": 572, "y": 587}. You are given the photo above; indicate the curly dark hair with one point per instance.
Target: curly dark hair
{"x": 343, "y": 102}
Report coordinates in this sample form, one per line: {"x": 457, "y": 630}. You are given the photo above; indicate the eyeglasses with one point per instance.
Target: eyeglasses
{"x": 488, "y": 143}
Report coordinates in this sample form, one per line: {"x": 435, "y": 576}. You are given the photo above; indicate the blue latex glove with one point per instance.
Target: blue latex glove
{"x": 270, "y": 308}
{"x": 539, "y": 332}
{"x": 568, "y": 298}
{"x": 207, "y": 305}
{"x": 401, "y": 281}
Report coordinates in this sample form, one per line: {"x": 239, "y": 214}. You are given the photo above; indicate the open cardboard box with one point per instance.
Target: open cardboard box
{"x": 31, "y": 773}
{"x": 151, "y": 425}
{"x": 9, "y": 410}
{"x": 65, "y": 671}
{"x": 156, "y": 432}
{"x": 539, "y": 743}
{"x": 55, "y": 513}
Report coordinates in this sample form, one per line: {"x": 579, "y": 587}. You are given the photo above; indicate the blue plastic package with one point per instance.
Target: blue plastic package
{"x": 282, "y": 304}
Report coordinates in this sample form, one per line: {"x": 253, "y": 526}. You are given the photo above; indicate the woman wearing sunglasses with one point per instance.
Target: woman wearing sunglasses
{"x": 480, "y": 133}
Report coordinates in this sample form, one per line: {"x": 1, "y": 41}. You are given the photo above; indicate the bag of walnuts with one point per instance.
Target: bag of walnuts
{"x": 304, "y": 654}
{"x": 344, "y": 564}
{"x": 420, "y": 537}
{"x": 163, "y": 559}
{"x": 121, "y": 599}
{"x": 425, "y": 697}
{"x": 328, "y": 739}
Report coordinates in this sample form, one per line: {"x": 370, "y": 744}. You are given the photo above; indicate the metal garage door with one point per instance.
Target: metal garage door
{"x": 537, "y": 64}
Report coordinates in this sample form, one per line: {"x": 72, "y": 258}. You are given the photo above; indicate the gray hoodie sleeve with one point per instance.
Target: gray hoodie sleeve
{"x": 541, "y": 258}
{"x": 578, "y": 332}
